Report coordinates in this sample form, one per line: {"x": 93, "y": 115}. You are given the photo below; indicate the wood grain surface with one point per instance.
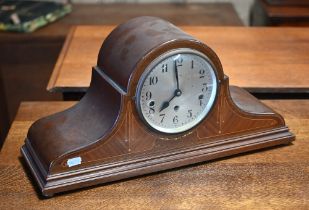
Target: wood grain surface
{"x": 269, "y": 179}
{"x": 280, "y": 13}
{"x": 259, "y": 59}
{"x": 211, "y": 14}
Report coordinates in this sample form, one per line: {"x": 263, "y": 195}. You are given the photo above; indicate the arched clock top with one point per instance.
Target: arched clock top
{"x": 133, "y": 45}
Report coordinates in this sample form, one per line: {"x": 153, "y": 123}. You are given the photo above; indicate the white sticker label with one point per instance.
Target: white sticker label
{"x": 74, "y": 161}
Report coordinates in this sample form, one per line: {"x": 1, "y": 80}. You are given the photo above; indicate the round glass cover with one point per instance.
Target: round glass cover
{"x": 176, "y": 91}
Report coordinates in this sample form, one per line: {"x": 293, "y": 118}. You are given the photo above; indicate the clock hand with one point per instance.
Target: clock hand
{"x": 176, "y": 74}
{"x": 176, "y": 93}
{"x": 167, "y": 103}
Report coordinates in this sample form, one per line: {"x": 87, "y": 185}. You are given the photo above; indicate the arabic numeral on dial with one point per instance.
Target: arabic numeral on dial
{"x": 162, "y": 115}
{"x": 192, "y": 64}
{"x": 148, "y": 95}
{"x": 175, "y": 119}
{"x": 153, "y": 80}
{"x": 151, "y": 110}
{"x": 202, "y": 73}
{"x": 189, "y": 113}
{"x": 164, "y": 68}
{"x": 151, "y": 107}
{"x": 205, "y": 87}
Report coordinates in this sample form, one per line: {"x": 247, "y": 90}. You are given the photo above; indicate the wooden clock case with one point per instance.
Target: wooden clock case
{"x": 102, "y": 138}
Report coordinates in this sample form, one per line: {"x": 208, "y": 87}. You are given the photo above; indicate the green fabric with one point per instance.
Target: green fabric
{"x": 33, "y": 16}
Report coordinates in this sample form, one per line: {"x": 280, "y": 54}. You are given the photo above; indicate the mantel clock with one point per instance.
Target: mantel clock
{"x": 158, "y": 99}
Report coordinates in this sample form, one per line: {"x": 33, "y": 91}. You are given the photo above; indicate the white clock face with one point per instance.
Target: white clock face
{"x": 176, "y": 91}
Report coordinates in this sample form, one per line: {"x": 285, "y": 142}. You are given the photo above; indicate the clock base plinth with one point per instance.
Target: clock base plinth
{"x": 146, "y": 164}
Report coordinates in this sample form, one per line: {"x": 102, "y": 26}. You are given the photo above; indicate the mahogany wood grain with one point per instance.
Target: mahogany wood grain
{"x": 259, "y": 59}
{"x": 270, "y": 179}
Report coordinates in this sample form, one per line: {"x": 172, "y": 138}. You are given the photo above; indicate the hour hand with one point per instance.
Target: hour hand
{"x": 167, "y": 103}
{"x": 164, "y": 105}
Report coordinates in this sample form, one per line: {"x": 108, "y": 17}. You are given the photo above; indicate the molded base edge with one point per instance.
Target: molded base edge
{"x": 152, "y": 163}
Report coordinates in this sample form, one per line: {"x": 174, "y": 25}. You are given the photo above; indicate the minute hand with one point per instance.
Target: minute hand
{"x": 176, "y": 74}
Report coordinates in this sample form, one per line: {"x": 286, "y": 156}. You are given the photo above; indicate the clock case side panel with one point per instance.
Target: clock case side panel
{"x": 87, "y": 122}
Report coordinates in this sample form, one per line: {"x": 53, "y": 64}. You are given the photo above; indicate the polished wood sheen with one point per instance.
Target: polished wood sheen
{"x": 103, "y": 139}
{"x": 275, "y": 178}
{"x": 258, "y": 59}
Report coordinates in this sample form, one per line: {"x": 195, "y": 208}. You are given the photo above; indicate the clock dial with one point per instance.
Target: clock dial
{"x": 176, "y": 91}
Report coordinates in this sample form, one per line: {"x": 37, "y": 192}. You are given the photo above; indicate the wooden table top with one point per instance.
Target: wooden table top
{"x": 269, "y": 179}
{"x": 259, "y": 59}
{"x": 211, "y": 14}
